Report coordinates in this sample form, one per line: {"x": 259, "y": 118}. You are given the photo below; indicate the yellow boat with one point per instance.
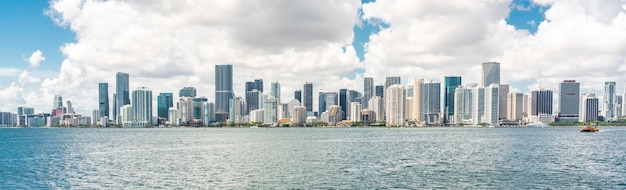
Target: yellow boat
{"x": 589, "y": 128}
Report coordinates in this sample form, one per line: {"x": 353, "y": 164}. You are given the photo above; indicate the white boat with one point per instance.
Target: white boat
{"x": 538, "y": 125}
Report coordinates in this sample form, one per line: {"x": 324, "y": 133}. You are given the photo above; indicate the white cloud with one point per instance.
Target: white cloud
{"x": 11, "y": 97}
{"x": 35, "y": 59}
{"x": 26, "y": 78}
{"x": 9, "y": 72}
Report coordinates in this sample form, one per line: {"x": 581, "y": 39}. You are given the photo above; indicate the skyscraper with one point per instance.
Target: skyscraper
{"x": 609, "y": 100}
{"x": 418, "y": 112}
{"x": 343, "y": 102}
{"x": 198, "y": 109}
{"x": 164, "y": 102}
{"x": 355, "y": 111}
{"x": 368, "y": 91}
{"x": 187, "y": 92}
{"x": 451, "y": 82}
{"x": 223, "y": 91}
{"x": 515, "y": 106}
{"x": 275, "y": 91}
{"x": 298, "y": 95}
{"x": 142, "y": 106}
{"x": 478, "y": 105}
{"x": 502, "y": 105}
{"x": 619, "y": 102}
{"x": 463, "y": 104}
{"x": 307, "y": 97}
{"x": 376, "y": 104}
{"x": 321, "y": 102}
{"x": 394, "y": 105}
{"x": 256, "y": 84}
{"x": 589, "y": 108}
{"x": 103, "y": 100}
{"x": 492, "y": 99}
{"x": 430, "y": 101}
{"x": 569, "y": 100}
{"x": 252, "y": 100}
{"x": 58, "y": 101}
{"x": 121, "y": 91}
{"x": 380, "y": 92}
{"x": 541, "y": 105}
{"x": 491, "y": 73}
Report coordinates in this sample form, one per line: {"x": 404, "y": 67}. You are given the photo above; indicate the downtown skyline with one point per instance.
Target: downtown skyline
{"x": 350, "y": 41}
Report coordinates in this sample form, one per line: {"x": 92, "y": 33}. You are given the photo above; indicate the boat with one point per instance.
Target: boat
{"x": 538, "y": 125}
{"x": 589, "y": 128}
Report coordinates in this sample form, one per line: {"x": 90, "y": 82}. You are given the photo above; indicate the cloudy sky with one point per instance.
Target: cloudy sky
{"x": 68, "y": 46}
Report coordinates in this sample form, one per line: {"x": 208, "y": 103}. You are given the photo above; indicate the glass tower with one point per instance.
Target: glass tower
{"x": 103, "y": 99}
{"x": 121, "y": 89}
{"x": 164, "y": 102}
{"x": 223, "y": 91}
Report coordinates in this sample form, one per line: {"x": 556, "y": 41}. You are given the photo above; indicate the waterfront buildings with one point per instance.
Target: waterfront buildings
{"x": 492, "y": 99}
{"x": 164, "y": 102}
{"x": 368, "y": 90}
{"x": 589, "y": 108}
{"x": 275, "y": 91}
{"x": 394, "y": 103}
{"x": 515, "y": 106}
{"x": 223, "y": 91}
{"x": 608, "y": 107}
{"x": 103, "y": 100}
{"x": 343, "y": 102}
{"x": 355, "y": 111}
{"x": 121, "y": 91}
{"x": 451, "y": 83}
{"x": 463, "y": 105}
{"x": 141, "y": 108}
{"x": 187, "y": 92}
{"x": 307, "y": 96}
{"x": 541, "y": 106}
{"x": 376, "y": 105}
{"x": 299, "y": 115}
{"x": 430, "y": 94}
{"x": 503, "y": 106}
{"x": 298, "y": 95}
{"x": 418, "y": 112}
{"x": 569, "y": 101}
{"x": 491, "y": 73}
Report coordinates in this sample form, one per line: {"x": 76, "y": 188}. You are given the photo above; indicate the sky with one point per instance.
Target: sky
{"x": 68, "y": 46}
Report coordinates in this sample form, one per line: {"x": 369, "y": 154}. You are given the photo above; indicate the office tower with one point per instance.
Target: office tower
{"x": 394, "y": 105}
{"x": 418, "y": 112}
{"x": 355, "y": 111}
{"x": 368, "y": 90}
{"x": 223, "y": 91}
{"x": 492, "y": 99}
{"x": 307, "y": 96}
{"x": 478, "y": 105}
{"x": 541, "y": 106}
{"x": 502, "y": 106}
{"x": 451, "y": 83}
{"x": 121, "y": 90}
{"x": 331, "y": 98}
{"x": 463, "y": 104}
{"x": 589, "y": 108}
{"x": 8, "y": 119}
{"x": 58, "y": 101}
{"x": 619, "y": 100}
{"x": 270, "y": 107}
{"x": 236, "y": 109}
{"x": 115, "y": 111}
{"x": 70, "y": 108}
{"x": 609, "y": 101}
{"x": 299, "y": 114}
{"x": 252, "y": 100}
{"x": 256, "y": 84}
{"x": 173, "y": 116}
{"x": 430, "y": 102}
{"x": 376, "y": 105}
{"x": 569, "y": 101}
{"x": 389, "y": 81}
{"x": 515, "y": 106}
{"x": 187, "y": 92}
{"x": 321, "y": 102}
{"x": 185, "y": 109}
{"x": 275, "y": 91}
{"x": 343, "y": 101}
{"x": 20, "y": 110}
{"x": 298, "y": 95}
{"x": 198, "y": 109}
{"x": 142, "y": 106}
{"x": 491, "y": 73}
{"x": 209, "y": 113}
{"x": 164, "y": 102}
{"x": 103, "y": 100}
{"x": 380, "y": 91}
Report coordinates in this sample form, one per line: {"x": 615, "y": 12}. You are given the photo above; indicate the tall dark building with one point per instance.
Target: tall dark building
{"x": 103, "y": 99}
{"x": 451, "y": 83}
{"x": 368, "y": 90}
{"x": 256, "y": 84}
{"x": 223, "y": 91}
{"x": 187, "y": 92}
{"x": 541, "y": 102}
{"x": 321, "y": 102}
{"x": 252, "y": 100}
{"x": 343, "y": 102}
{"x": 121, "y": 89}
{"x": 569, "y": 100}
{"x": 298, "y": 95}
{"x": 164, "y": 102}
{"x": 380, "y": 91}
{"x": 307, "y": 96}
{"x": 114, "y": 105}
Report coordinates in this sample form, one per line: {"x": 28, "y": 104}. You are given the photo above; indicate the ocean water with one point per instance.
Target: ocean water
{"x": 313, "y": 158}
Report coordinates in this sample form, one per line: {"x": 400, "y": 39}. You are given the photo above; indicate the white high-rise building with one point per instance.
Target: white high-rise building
{"x": 185, "y": 111}
{"x": 515, "y": 106}
{"x": 395, "y": 97}
{"x": 355, "y": 111}
{"x": 173, "y": 116}
{"x": 270, "y": 105}
{"x": 376, "y": 105}
{"x": 126, "y": 112}
{"x": 478, "y": 105}
{"x": 408, "y": 113}
{"x": 418, "y": 114}
{"x": 299, "y": 114}
{"x": 257, "y": 116}
{"x": 492, "y": 100}
{"x": 609, "y": 101}
{"x": 589, "y": 108}
{"x": 463, "y": 104}
{"x": 142, "y": 107}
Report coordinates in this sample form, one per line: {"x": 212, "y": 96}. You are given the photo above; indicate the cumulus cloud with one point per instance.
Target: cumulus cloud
{"x": 35, "y": 59}
{"x": 26, "y": 78}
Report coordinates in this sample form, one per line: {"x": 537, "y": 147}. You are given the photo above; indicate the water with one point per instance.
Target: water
{"x": 313, "y": 158}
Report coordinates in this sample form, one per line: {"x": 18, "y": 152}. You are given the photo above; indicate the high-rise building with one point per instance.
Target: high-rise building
{"x": 321, "y": 102}
{"x": 418, "y": 112}
{"x": 619, "y": 103}
{"x": 515, "y": 106}
{"x": 368, "y": 90}
{"x": 307, "y": 97}
{"x": 164, "y": 102}
{"x": 236, "y": 109}
{"x": 70, "y": 108}
{"x": 343, "y": 102}
{"x": 430, "y": 102}
{"x": 187, "y": 92}
{"x": 126, "y": 115}
{"x": 569, "y": 100}
{"x": 394, "y": 105}
{"x": 451, "y": 83}
{"x": 58, "y": 101}
{"x": 502, "y": 105}
{"x": 185, "y": 109}
{"x": 270, "y": 107}
{"x": 478, "y": 105}
{"x": 389, "y": 81}
{"x": 299, "y": 114}
{"x": 209, "y": 112}
{"x": 142, "y": 106}
{"x": 355, "y": 111}
{"x": 198, "y": 109}
{"x": 541, "y": 105}
{"x": 376, "y": 105}
{"x": 223, "y": 91}
{"x": 589, "y": 108}
{"x": 624, "y": 106}
{"x": 252, "y": 100}
{"x": 121, "y": 91}
{"x": 492, "y": 99}
{"x": 609, "y": 101}
{"x": 491, "y": 73}
{"x": 173, "y": 116}
{"x": 298, "y": 95}
{"x": 115, "y": 111}
{"x": 256, "y": 84}
{"x": 103, "y": 100}
{"x": 275, "y": 91}
{"x": 463, "y": 104}
{"x": 380, "y": 91}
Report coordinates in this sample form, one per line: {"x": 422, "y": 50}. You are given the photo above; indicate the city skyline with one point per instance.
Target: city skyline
{"x": 354, "y": 41}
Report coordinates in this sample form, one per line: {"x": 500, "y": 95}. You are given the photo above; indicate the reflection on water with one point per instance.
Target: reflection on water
{"x": 301, "y": 158}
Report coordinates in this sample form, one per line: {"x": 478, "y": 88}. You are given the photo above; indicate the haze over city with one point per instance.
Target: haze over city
{"x": 67, "y": 47}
